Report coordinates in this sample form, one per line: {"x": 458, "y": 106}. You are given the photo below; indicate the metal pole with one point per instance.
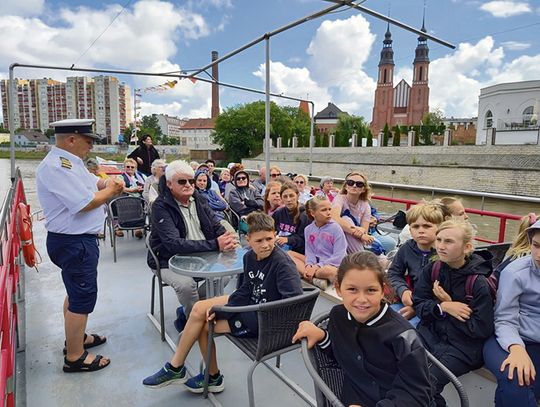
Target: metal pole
{"x": 311, "y": 138}
{"x": 397, "y": 23}
{"x": 11, "y": 103}
{"x": 267, "y": 112}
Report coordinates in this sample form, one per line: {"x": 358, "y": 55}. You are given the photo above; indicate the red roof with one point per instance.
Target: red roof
{"x": 193, "y": 124}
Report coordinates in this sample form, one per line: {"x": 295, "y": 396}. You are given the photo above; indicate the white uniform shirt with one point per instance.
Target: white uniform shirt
{"x": 64, "y": 187}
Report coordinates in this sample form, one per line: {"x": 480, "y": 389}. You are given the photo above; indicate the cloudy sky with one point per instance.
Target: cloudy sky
{"x": 333, "y": 58}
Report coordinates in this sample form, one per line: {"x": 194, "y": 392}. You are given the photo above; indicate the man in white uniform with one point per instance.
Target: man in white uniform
{"x": 72, "y": 200}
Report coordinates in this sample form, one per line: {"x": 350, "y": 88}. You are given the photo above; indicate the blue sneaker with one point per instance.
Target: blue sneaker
{"x": 195, "y": 384}
{"x": 181, "y": 320}
{"x": 165, "y": 376}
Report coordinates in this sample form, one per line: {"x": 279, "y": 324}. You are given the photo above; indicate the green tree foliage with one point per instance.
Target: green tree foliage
{"x": 3, "y": 129}
{"x": 431, "y": 124}
{"x": 346, "y": 126}
{"x": 150, "y": 125}
{"x": 240, "y": 129}
{"x": 396, "y": 141}
{"x": 369, "y": 139}
{"x": 386, "y": 135}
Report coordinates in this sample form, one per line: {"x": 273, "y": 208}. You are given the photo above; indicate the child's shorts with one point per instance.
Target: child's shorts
{"x": 243, "y": 324}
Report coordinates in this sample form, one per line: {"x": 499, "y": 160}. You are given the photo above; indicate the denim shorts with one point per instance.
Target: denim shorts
{"x": 77, "y": 256}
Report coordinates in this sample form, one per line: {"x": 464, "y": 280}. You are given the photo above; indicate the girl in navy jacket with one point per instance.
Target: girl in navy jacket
{"x": 453, "y": 327}
{"x": 383, "y": 361}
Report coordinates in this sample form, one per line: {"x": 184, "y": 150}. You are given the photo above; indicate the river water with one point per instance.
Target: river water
{"x": 487, "y": 227}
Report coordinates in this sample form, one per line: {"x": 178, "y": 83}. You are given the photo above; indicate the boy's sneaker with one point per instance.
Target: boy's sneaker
{"x": 181, "y": 320}
{"x": 196, "y": 384}
{"x": 165, "y": 376}
{"x": 322, "y": 283}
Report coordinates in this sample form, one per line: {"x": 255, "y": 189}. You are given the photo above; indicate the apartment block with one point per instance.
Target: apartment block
{"x": 170, "y": 125}
{"x": 40, "y": 102}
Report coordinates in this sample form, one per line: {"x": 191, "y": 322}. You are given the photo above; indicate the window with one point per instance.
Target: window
{"x": 528, "y": 116}
{"x": 489, "y": 120}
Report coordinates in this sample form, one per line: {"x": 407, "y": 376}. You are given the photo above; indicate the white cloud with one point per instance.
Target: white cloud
{"x": 506, "y": 8}
{"x": 21, "y": 7}
{"x": 515, "y": 45}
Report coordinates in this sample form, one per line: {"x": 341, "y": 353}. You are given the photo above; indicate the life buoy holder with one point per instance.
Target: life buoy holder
{"x": 25, "y": 234}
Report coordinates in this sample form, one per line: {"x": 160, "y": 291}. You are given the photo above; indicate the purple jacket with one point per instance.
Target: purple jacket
{"x": 325, "y": 245}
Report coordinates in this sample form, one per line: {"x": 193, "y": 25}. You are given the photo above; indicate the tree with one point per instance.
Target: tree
{"x": 149, "y": 125}
{"x": 396, "y": 141}
{"x": 49, "y": 133}
{"x": 240, "y": 129}
{"x": 347, "y": 125}
{"x": 369, "y": 139}
{"x": 386, "y": 135}
{"x": 3, "y": 129}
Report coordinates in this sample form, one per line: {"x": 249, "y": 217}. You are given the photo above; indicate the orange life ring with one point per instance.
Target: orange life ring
{"x": 25, "y": 234}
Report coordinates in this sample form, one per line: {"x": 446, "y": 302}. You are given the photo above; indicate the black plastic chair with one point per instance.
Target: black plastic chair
{"x": 126, "y": 213}
{"x": 498, "y": 251}
{"x": 328, "y": 377}
{"x": 156, "y": 277}
{"x": 278, "y": 322}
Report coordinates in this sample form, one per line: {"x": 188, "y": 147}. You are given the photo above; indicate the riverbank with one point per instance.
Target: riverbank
{"x": 39, "y": 155}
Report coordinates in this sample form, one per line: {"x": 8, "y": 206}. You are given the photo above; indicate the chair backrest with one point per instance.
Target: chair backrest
{"x": 128, "y": 212}
{"x": 497, "y": 250}
{"x": 328, "y": 376}
{"x": 152, "y": 253}
{"x": 278, "y": 321}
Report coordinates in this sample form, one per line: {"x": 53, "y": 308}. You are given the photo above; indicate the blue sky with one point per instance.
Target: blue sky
{"x": 333, "y": 58}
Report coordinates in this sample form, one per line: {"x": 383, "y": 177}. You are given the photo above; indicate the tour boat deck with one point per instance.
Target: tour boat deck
{"x": 135, "y": 348}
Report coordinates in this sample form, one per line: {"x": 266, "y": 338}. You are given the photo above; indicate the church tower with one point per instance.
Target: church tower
{"x": 384, "y": 94}
{"x": 419, "y": 96}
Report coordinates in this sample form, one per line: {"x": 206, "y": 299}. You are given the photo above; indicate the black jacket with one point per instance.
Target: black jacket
{"x": 293, "y": 232}
{"x": 409, "y": 259}
{"x": 169, "y": 230}
{"x": 444, "y": 334}
{"x": 383, "y": 360}
{"x": 147, "y": 155}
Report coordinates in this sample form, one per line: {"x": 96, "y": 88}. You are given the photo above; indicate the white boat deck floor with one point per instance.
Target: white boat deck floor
{"x": 135, "y": 348}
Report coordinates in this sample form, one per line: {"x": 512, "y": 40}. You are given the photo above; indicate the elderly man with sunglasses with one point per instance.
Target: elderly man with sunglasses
{"x": 182, "y": 222}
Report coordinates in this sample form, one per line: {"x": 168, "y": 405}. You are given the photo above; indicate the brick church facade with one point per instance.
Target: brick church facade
{"x": 402, "y": 104}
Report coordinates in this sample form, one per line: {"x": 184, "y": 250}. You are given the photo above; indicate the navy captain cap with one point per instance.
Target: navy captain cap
{"x": 75, "y": 126}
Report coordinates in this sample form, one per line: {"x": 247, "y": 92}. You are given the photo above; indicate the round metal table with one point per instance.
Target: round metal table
{"x": 211, "y": 266}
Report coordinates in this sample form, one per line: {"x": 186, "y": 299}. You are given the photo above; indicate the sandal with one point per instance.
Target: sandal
{"x": 80, "y": 366}
{"x": 97, "y": 341}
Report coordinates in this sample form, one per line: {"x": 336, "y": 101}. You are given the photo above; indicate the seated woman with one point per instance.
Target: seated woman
{"x": 276, "y": 278}
{"x": 351, "y": 210}
{"x": 150, "y": 189}
{"x": 327, "y": 189}
{"x": 224, "y": 179}
{"x": 513, "y": 354}
{"x": 382, "y": 358}
{"x": 272, "y": 197}
{"x": 215, "y": 201}
{"x": 301, "y": 182}
{"x": 133, "y": 179}
{"x": 243, "y": 197}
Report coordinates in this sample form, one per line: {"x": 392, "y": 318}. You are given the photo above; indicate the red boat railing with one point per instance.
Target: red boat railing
{"x": 503, "y": 217}
{"x": 10, "y": 261}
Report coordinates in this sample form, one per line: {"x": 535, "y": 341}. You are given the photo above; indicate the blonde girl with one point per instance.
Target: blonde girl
{"x": 272, "y": 197}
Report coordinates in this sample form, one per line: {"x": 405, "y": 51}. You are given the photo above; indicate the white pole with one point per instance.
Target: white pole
{"x": 267, "y": 113}
{"x": 11, "y": 104}
{"x": 311, "y": 138}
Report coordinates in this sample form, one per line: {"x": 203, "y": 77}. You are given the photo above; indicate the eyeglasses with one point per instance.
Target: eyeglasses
{"x": 241, "y": 178}
{"x": 299, "y": 182}
{"x": 352, "y": 183}
{"x": 185, "y": 181}
{"x": 276, "y": 175}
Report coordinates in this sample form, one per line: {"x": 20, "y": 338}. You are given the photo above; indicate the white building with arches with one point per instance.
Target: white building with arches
{"x": 510, "y": 113}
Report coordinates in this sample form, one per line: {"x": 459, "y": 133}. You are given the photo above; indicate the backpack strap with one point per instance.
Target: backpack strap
{"x": 435, "y": 271}
{"x": 469, "y": 286}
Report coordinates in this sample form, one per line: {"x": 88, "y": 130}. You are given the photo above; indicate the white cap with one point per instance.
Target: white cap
{"x": 77, "y": 126}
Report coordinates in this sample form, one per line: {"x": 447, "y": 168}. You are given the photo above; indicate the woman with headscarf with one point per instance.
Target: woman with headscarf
{"x": 145, "y": 154}
{"x": 215, "y": 201}
{"x": 243, "y": 197}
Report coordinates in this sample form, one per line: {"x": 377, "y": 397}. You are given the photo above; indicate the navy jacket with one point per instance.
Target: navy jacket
{"x": 293, "y": 232}
{"x": 408, "y": 260}
{"x": 383, "y": 361}
{"x": 169, "y": 230}
{"x": 444, "y": 334}
{"x": 147, "y": 155}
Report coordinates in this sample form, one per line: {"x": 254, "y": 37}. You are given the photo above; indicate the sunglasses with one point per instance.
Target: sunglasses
{"x": 130, "y": 166}
{"x": 358, "y": 184}
{"x": 185, "y": 181}
{"x": 241, "y": 178}
{"x": 275, "y": 175}
{"x": 299, "y": 182}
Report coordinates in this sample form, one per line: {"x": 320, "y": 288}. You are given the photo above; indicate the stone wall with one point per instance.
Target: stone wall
{"x": 511, "y": 170}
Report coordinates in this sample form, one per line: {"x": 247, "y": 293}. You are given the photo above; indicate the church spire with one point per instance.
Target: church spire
{"x": 422, "y": 50}
{"x": 387, "y": 53}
